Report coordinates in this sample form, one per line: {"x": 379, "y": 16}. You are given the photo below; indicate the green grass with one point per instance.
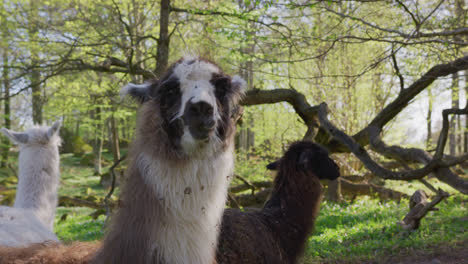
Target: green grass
{"x": 367, "y": 229}
{"x": 78, "y": 180}
{"x": 78, "y": 225}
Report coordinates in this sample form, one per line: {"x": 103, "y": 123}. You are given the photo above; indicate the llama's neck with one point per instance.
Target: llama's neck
{"x": 193, "y": 196}
{"x": 171, "y": 211}
{"x": 38, "y": 182}
{"x": 292, "y": 210}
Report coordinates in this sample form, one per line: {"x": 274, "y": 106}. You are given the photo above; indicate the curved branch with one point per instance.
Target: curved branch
{"x": 403, "y": 99}
{"x": 364, "y": 157}
{"x": 415, "y": 155}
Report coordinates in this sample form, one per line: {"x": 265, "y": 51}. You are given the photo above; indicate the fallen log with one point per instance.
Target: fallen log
{"x": 261, "y": 190}
{"x": 350, "y": 188}
{"x": 419, "y": 207}
{"x": 79, "y": 202}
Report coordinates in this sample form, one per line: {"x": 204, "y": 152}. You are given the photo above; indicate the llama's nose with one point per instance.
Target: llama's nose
{"x": 202, "y": 109}
{"x": 199, "y": 117}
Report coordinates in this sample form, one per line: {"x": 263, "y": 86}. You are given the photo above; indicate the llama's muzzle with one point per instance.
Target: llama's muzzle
{"x": 199, "y": 117}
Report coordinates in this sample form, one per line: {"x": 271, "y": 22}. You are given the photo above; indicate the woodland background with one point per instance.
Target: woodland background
{"x": 393, "y": 75}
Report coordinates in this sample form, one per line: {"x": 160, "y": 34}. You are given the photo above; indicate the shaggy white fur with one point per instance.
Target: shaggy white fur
{"x": 193, "y": 195}
{"x": 20, "y": 227}
{"x": 32, "y": 217}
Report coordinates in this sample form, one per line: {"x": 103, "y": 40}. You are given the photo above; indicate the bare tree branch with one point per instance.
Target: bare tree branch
{"x": 415, "y": 34}
{"x": 364, "y": 157}
{"x": 403, "y": 99}
{"x": 397, "y": 72}
{"x": 415, "y": 155}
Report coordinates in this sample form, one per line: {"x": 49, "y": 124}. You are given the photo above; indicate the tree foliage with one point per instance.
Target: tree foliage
{"x": 370, "y": 61}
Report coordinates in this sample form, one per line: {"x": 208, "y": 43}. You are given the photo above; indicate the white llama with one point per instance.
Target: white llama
{"x": 31, "y": 218}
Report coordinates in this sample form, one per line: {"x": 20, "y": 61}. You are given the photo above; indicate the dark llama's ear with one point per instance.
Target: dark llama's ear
{"x": 54, "y": 129}
{"x": 273, "y": 166}
{"x": 15, "y": 137}
{"x": 140, "y": 92}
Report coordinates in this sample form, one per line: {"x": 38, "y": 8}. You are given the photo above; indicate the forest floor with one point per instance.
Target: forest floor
{"x": 445, "y": 254}
{"x": 456, "y": 254}
{"x": 360, "y": 231}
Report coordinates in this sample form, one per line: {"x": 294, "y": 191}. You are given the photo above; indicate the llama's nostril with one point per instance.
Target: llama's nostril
{"x": 206, "y": 109}
{"x": 201, "y": 108}
{"x": 209, "y": 123}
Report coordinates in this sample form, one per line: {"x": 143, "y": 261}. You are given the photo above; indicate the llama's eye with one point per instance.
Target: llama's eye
{"x": 193, "y": 110}
{"x": 222, "y": 85}
{"x": 220, "y": 92}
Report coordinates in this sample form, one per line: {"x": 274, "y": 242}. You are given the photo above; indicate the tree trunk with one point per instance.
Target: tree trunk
{"x": 334, "y": 191}
{"x": 6, "y": 95}
{"x": 98, "y": 140}
{"x": 115, "y": 139}
{"x": 162, "y": 54}
{"x": 36, "y": 96}
{"x": 455, "y": 104}
{"x": 77, "y": 127}
{"x": 429, "y": 119}
{"x": 35, "y": 74}
{"x": 465, "y": 134}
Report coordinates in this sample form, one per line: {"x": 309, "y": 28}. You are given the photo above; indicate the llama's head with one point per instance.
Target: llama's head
{"x": 196, "y": 101}
{"x": 308, "y": 156}
{"x": 35, "y": 136}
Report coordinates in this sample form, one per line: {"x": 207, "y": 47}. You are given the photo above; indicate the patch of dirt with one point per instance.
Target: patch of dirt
{"x": 455, "y": 253}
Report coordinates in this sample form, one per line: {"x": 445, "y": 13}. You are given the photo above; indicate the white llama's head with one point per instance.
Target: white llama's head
{"x": 195, "y": 99}
{"x": 35, "y": 136}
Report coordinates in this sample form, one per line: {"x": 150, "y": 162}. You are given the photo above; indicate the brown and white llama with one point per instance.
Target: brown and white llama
{"x": 181, "y": 162}
{"x": 31, "y": 219}
{"x": 277, "y": 234}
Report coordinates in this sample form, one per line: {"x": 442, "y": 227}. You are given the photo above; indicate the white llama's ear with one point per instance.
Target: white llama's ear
{"x": 239, "y": 83}
{"x": 54, "y": 129}
{"x": 141, "y": 92}
{"x": 15, "y": 137}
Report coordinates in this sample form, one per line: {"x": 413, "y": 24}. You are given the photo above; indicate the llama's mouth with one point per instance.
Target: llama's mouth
{"x": 201, "y": 133}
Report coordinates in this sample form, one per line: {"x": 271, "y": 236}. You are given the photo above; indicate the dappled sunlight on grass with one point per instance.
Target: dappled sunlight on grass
{"x": 77, "y": 179}
{"x": 78, "y": 225}
{"x": 367, "y": 229}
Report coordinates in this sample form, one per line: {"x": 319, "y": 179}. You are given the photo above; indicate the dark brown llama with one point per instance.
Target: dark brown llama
{"x": 277, "y": 233}
{"x": 181, "y": 161}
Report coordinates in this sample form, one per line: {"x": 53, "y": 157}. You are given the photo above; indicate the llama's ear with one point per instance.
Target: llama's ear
{"x": 140, "y": 92}
{"x": 54, "y": 129}
{"x": 274, "y": 165}
{"x": 15, "y": 137}
{"x": 238, "y": 84}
